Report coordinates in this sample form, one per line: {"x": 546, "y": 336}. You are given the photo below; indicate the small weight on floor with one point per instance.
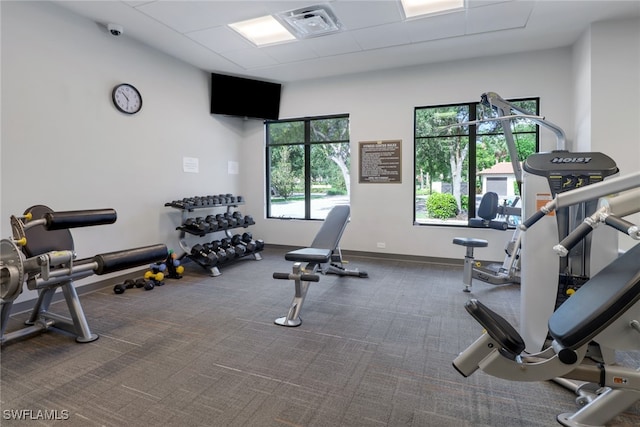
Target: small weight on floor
{"x": 121, "y": 287}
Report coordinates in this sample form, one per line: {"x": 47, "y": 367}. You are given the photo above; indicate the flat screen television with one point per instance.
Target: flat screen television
{"x": 242, "y": 97}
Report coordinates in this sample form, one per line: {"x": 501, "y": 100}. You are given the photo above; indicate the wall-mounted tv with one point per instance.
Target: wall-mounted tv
{"x": 242, "y": 97}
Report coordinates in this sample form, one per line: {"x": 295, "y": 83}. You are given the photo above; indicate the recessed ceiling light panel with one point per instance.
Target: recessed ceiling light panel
{"x": 263, "y": 31}
{"x": 414, "y": 8}
{"x": 311, "y": 21}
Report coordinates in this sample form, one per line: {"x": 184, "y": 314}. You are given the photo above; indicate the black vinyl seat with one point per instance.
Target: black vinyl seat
{"x": 487, "y": 213}
{"x": 598, "y": 302}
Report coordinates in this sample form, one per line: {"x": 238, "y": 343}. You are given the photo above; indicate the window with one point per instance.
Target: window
{"x": 457, "y": 163}
{"x": 308, "y": 163}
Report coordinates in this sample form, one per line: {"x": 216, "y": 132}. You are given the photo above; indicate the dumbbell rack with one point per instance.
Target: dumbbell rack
{"x": 188, "y": 205}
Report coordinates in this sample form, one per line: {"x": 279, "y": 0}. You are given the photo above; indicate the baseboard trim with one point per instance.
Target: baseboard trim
{"x": 386, "y": 256}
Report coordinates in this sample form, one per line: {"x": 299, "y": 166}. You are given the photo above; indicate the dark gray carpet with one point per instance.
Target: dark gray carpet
{"x": 204, "y": 351}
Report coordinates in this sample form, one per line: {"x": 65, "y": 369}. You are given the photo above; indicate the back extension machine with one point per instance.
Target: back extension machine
{"x": 605, "y": 311}
{"x": 322, "y": 256}
{"x": 41, "y": 253}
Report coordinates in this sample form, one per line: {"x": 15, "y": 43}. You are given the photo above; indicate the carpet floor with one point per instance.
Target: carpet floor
{"x": 204, "y": 351}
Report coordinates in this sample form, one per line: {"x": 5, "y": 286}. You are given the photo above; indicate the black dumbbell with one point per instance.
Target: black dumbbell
{"x": 239, "y": 217}
{"x": 222, "y": 255}
{"x": 206, "y": 256}
{"x": 226, "y": 245}
{"x": 121, "y": 287}
{"x": 246, "y": 240}
{"x": 149, "y": 285}
{"x": 214, "y": 245}
{"x": 213, "y": 222}
{"x": 241, "y": 250}
{"x": 233, "y": 222}
{"x": 223, "y": 224}
{"x": 198, "y": 224}
{"x": 146, "y": 284}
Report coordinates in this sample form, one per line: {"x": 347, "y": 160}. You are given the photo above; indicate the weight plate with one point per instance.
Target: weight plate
{"x": 17, "y": 228}
{"x": 11, "y": 271}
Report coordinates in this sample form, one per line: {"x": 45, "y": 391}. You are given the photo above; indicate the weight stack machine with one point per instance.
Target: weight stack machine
{"x": 547, "y": 280}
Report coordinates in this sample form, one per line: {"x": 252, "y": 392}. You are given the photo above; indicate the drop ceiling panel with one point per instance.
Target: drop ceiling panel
{"x": 381, "y": 36}
{"x": 335, "y": 44}
{"x": 220, "y": 39}
{"x": 497, "y": 17}
{"x": 290, "y": 52}
{"x": 186, "y": 16}
{"x": 362, "y": 14}
{"x": 482, "y": 3}
{"x": 436, "y": 27}
{"x": 250, "y": 58}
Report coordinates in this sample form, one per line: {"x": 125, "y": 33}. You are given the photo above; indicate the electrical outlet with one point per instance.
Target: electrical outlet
{"x": 381, "y": 245}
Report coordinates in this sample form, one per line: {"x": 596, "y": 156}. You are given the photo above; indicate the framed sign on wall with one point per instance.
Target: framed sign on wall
{"x": 380, "y": 162}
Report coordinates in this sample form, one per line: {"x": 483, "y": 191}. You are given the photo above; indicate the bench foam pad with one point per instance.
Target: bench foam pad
{"x": 599, "y": 302}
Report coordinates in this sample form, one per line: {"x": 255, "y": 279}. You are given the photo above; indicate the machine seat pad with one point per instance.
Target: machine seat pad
{"x": 497, "y": 327}
{"x": 309, "y": 255}
{"x": 599, "y": 302}
{"x": 470, "y": 242}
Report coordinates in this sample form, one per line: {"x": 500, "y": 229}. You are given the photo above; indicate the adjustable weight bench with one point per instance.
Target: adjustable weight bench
{"x": 322, "y": 256}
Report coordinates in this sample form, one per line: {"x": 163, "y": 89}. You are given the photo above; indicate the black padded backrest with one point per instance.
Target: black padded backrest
{"x": 329, "y": 235}
{"x": 599, "y": 302}
{"x": 488, "y": 208}
{"x": 40, "y": 240}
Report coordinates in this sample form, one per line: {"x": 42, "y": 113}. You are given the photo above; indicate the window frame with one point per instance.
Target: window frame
{"x": 306, "y": 144}
{"x": 472, "y": 136}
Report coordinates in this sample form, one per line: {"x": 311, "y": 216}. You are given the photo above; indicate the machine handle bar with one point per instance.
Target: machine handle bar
{"x": 623, "y": 225}
{"x": 580, "y": 232}
{"x": 537, "y": 216}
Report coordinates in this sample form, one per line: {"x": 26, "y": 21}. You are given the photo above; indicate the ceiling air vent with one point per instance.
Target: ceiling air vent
{"x": 312, "y": 21}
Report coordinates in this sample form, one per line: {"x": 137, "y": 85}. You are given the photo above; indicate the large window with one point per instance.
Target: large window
{"x": 308, "y": 164}
{"x": 456, "y": 164}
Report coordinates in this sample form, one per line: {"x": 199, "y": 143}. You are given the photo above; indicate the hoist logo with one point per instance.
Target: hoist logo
{"x": 571, "y": 160}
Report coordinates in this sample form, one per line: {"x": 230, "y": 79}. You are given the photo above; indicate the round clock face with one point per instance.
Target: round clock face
{"x": 126, "y": 98}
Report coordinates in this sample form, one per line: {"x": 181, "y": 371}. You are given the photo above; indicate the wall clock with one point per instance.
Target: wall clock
{"x": 126, "y": 98}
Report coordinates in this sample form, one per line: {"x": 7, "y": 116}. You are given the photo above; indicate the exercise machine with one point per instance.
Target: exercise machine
{"x": 509, "y": 270}
{"x": 41, "y": 254}
{"x": 604, "y": 310}
{"x": 493, "y": 273}
{"x": 546, "y": 279}
{"x": 323, "y": 256}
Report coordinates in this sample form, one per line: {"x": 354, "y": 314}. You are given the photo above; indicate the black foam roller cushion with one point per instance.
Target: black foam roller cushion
{"x": 83, "y": 218}
{"x": 121, "y": 260}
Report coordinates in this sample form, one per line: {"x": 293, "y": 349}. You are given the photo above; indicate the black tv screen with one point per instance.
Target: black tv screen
{"x": 242, "y": 97}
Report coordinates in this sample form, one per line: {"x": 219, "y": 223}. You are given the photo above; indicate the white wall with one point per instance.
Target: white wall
{"x": 615, "y": 88}
{"x": 607, "y": 91}
{"x": 66, "y": 146}
{"x": 381, "y": 106}
{"x": 582, "y": 92}
{"x": 614, "y": 85}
